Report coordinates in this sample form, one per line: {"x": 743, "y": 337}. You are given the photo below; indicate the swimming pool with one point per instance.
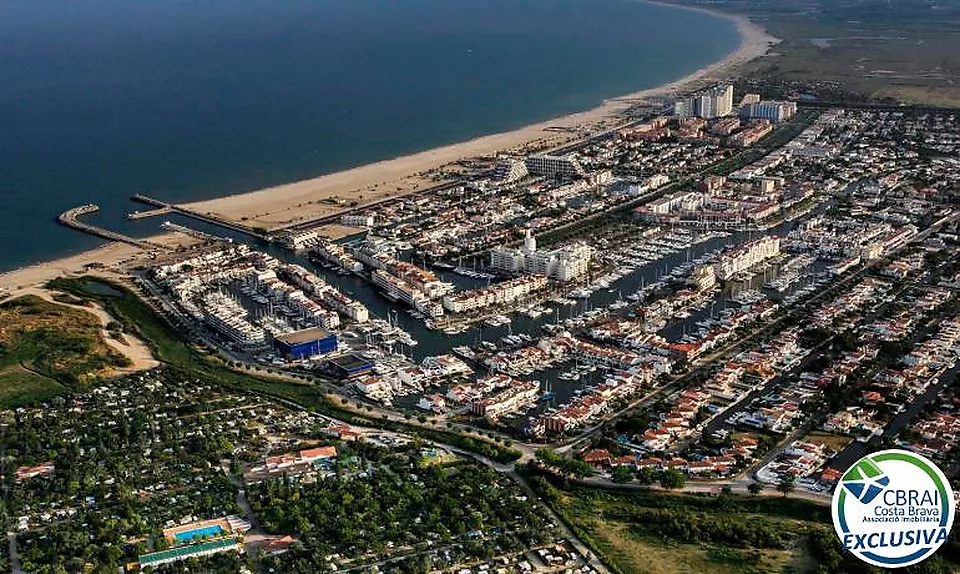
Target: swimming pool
{"x": 188, "y": 535}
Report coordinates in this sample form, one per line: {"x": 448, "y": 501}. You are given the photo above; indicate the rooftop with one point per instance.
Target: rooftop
{"x": 304, "y": 336}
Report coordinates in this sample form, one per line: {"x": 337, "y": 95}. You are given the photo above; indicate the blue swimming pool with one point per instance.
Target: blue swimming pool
{"x": 188, "y": 535}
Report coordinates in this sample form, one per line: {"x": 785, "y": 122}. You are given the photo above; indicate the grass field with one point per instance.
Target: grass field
{"x": 634, "y": 553}
{"x": 656, "y": 532}
{"x": 613, "y": 525}
{"x": 847, "y": 50}
{"x": 19, "y": 387}
{"x": 58, "y": 342}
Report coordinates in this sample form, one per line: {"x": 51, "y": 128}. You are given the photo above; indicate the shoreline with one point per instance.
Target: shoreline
{"x": 285, "y": 204}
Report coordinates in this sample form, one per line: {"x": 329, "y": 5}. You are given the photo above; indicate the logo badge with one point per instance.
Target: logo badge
{"x": 893, "y": 508}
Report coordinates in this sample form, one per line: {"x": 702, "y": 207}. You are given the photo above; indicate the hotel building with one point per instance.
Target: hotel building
{"x": 747, "y": 256}
{"x": 555, "y": 166}
{"x": 563, "y": 264}
{"x": 713, "y": 103}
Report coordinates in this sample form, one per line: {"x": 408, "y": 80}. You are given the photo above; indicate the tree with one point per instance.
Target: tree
{"x": 622, "y": 474}
{"x": 647, "y": 475}
{"x": 787, "y": 484}
{"x": 672, "y": 479}
{"x": 755, "y": 488}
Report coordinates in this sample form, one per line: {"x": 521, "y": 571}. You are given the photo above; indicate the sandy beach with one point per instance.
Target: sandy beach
{"x": 277, "y": 206}
{"x": 111, "y": 260}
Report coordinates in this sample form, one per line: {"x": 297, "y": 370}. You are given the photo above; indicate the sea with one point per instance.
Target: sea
{"x": 187, "y": 100}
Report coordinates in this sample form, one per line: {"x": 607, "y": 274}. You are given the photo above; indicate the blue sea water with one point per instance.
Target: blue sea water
{"x": 192, "y": 99}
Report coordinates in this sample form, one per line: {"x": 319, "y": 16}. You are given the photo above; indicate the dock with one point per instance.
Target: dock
{"x": 169, "y": 226}
{"x": 204, "y": 217}
{"x": 149, "y": 213}
{"x": 70, "y": 218}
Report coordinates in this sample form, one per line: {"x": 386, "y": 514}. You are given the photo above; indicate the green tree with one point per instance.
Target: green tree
{"x": 755, "y": 488}
{"x": 647, "y": 475}
{"x": 622, "y": 474}
{"x": 787, "y": 484}
{"x": 672, "y": 479}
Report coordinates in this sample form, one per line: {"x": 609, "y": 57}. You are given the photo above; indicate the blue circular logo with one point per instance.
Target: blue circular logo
{"x": 893, "y": 508}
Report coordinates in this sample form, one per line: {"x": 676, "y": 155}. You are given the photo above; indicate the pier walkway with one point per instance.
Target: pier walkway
{"x": 69, "y": 218}
{"x": 149, "y": 213}
{"x": 204, "y": 217}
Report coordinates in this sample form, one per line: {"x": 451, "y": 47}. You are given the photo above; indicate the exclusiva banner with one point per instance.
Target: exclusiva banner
{"x": 893, "y": 508}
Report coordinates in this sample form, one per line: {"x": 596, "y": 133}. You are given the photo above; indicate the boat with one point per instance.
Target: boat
{"x": 464, "y": 351}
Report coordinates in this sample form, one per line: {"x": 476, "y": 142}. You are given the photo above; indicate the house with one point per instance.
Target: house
{"x": 433, "y": 403}
{"x": 313, "y": 454}
{"x": 279, "y": 545}
{"x": 597, "y": 457}
{"x": 25, "y": 472}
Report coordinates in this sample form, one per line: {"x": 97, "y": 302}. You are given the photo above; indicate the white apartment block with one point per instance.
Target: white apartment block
{"x": 358, "y": 220}
{"x": 713, "y": 103}
{"x": 554, "y": 165}
{"x": 774, "y": 111}
{"x": 747, "y": 256}
{"x": 563, "y": 264}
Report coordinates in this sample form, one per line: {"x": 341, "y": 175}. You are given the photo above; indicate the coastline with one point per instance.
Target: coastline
{"x": 290, "y": 203}
{"x": 284, "y": 204}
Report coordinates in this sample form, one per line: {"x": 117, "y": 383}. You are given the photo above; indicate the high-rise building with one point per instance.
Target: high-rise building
{"x": 554, "y": 165}
{"x": 529, "y": 243}
{"x": 774, "y": 111}
{"x": 573, "y": 261}
{"x": 563, "y": 264}
{"x": 713, "y": 103}
{"x": 510, "y": 169}
{"x": 507, "y": 259}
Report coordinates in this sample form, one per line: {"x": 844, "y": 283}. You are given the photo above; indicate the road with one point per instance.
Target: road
{"x": 738, "y": 486}
{"x": 255, "y": 537}
{"x": 14, "y": 555}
